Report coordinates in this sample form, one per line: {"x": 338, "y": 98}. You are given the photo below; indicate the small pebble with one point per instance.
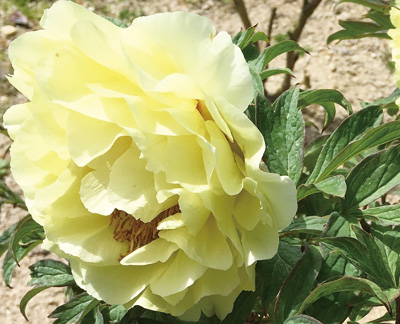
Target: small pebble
{"x": 8, "y": 30}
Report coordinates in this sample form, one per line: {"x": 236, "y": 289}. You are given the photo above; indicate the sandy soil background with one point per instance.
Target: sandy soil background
{"x": 356, "y": 68}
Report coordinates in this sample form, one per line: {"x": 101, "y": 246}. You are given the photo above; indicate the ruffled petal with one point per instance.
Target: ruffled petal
{"x": 259, "y": 244}
{"x": 198, "y": 247}
{"x": 115, "y": 285}
{"x": 181, "y": 274}
{"x": 156, "y": 251}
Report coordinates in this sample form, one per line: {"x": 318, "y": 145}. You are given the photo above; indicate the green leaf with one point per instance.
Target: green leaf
{"x": 391, "y": 99}
{"x": 363, "y": 254}
{"x": 117, "y": 22}
{"x": 352, "y": 129}
{"x": 388, "y": 214}
{"x": 358, "y": 29}
{"x": 302, "y": 319}
{"x": 304, "y": 191}
{"x": 373, "y": 4}
{"x": 5, "y": 238}
{"x": 339, "y": 226}
{"x": 259, "y": 36}
{"x": 117, "y": 312}
{"x": 381, "y": 18}
{"x": 283, "y": 131}
{"x": 273, "y": 272}
{"x": 11, "y": 260}
{"x": 374, "y": 137}
{"x": 7, "y": 196}
{"x": 312, "y": 151}
{"x": 133, "y": 314}
{"x": 148, "y": 321}
{"x": 257, "y": 83}
{"x": 323, "y": 96}
{"x": 326, "y": 98}
{"x": 27, "y": 297}
{"x": 4, "y": 167}
{"x": 283, "y": 47}
{"x": 372, "y": 178}
{"x": 346, "y": 284}
{"x": 388, "y": 240}
{"x": 330, "y": 112}
{"x": 93, "y": 317}
{"x": 242, "y": 306}
{"x": 50, "y": 273}
{"x": 244, "y": 38}
{"x": 309, "y": 225}
{"x": 298, "y": 285}
{"x": 74, "y": 309}
{"x": 274, "y": 71}
{"x": 335, "y": 186}
{"x": 25, "y": 227}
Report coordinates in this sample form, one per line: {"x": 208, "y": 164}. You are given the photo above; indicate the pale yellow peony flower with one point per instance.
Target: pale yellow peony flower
{"x": 135, "y": 155}
{"x": 395, "y": 42}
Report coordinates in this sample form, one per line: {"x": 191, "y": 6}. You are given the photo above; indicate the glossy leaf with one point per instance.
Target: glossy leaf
{"x": 302, "y": 319}
{"x": 24, "y": 227}
{"x": 388, "y": 214}
{"x": 257, "y": 83}
{"x": 94, "y": 316}
{"x": 309, "y": 225}
{"x": 4, "y": 167}
{"x": 388, "y": 240}
{"x": 243, "y": 38}
{"x": 346, "y": 284}
{"x": 117, "y": 22}
{"x": 242, "y": 306}
{"x": 312, "y": 151}
{"x": 283, "y": 130}
{"x": 5, "y": 238}
{"x": 298, "y": 285}
{"x": 11, "y": 260}
{"x": 377, "y": 136}
{"x": 372, "y": 178}
{"x": 352, "y": 129}
{"x": 283, "y": 47}
{"x": 335, "y": 186}
{"x": 50, "y": 273}
{"x": 74, "y": 309}
{"x": 27, "y": 297}
{"x": 117, "y": 312}
{"x": 364, "y": 255}
{"x": 323, "y": 96}
{"x": 358, "y": 29}
{"x": 274, "y": 71}
{"x": 379, "y": 5}
{"x": 383, "y": 102}
{"x": 7, "y": 196}
{"x": 273, "y": 272}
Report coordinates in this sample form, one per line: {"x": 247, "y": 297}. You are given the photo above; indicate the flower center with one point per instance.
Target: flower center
{"x": 136, "y": 232}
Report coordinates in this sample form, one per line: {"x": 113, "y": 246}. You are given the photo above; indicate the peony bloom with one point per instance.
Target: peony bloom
{"x": 136, "y": 157}
{"x": 395, "y": 42}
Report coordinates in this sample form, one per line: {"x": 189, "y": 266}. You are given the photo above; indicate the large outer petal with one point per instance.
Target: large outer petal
{"x": 209, "y": 60}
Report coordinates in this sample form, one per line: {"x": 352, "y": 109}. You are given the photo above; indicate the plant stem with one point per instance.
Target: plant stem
{"x": 397, "y": 310}
{"x": 241, "y": 8}
{"x": 307, "y": 10}
{"x": 270, "y": 25}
